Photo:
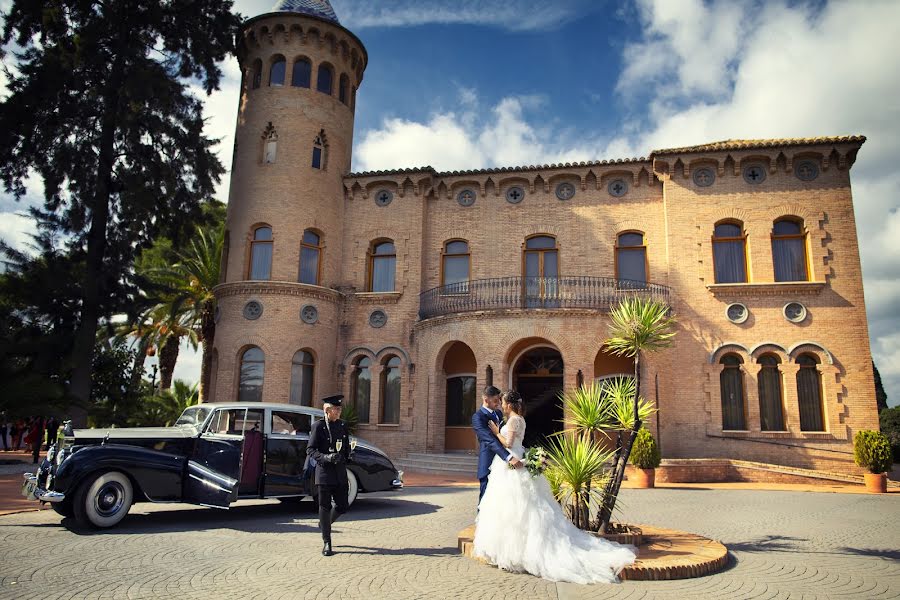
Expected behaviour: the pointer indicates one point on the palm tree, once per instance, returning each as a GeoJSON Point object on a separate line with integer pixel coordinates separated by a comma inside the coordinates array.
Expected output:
{"type": "Point", "coordinates": [190, 299]}
{"type": "Point", "coordinates": [637, 326]}
{"type": "Point", "coordinates": [577, 472]}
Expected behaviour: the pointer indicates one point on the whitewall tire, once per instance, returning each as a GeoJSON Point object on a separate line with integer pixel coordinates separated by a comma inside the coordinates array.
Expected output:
{"type": "Point", "coordinates": [352, 487]}
{"type": "Point", "coordinates": [103, 500]}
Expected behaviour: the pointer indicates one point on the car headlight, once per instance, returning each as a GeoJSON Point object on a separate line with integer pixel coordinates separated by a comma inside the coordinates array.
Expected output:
{"type": "Point", "coordinates": [60, 456]}
{"type": "Point", "coordinates": [51, 453]}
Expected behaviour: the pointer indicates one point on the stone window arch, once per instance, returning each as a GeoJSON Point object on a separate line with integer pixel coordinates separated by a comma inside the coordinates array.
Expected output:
{"type": "Point", "coordinates": [277, 71]}
{"type": "Point", "coordinates": [256, 74]}
{"type": "Point", "coordinates": [301, 72]}
{"type": "Point", "coordinates": [311, 247]}
{"type": "Point", "coordinates": [270, 144]}
{"type": "Point", "coordinates": [303, 370]}
{"type": "Point", "coordinates": [809, 393]}
{"type": "Point", "coordinates": [789, 249]}
{"type": "Point", "coordinates": [320, 151]}
{"type": "Point", "coordinates": [261, 247]}
{"type": "Point", "coordinates": [344, 89]}
{"type": "Point", "coordinates": [771, 395]}
{"type": "Point", "coordinates": [631, 259]}
{"type": "Point", "coordinates": [456, 263]}
{"type": "Point", "coordinates": [251, 375]}
{"type": "Point", "coordinates": [731, 386]}
{"type": "Point", "coordinates": [325, 79]}
{"type": "Point", "coordinates": [361, 387]}
{"type": "Point", "coordinates": [391, 384]}
{"type": "Point", "coordinates": [729, 243]}
{"type": "Point", "coordinates": [382, 266]}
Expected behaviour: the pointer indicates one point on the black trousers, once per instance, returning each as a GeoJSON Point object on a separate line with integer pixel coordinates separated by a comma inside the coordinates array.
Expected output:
{"type": "Point", "coordinates": [327, 514]}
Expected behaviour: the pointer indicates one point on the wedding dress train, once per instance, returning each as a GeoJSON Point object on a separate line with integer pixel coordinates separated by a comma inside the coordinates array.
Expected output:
{"type": "Point", "coordinates": [521, 528]}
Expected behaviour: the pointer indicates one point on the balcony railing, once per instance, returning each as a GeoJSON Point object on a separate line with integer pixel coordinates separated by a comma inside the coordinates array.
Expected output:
{"type": "Point", "coordinates": [599, 293]}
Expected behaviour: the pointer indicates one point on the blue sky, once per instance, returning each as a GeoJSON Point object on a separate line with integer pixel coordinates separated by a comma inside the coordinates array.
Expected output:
{"type": "Point", "coordinates": [479, 83]}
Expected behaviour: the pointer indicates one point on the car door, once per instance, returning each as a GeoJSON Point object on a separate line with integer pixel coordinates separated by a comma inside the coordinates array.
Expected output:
{"type": "Point", "coordinates": [286, 453]}
{"type": "Point", "coordinates": [214, 469]}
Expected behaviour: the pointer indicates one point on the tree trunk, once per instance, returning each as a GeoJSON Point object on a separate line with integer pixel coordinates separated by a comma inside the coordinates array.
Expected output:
{"type": "Point", "coordinates": [208, 333]}
{"type": "Point", "coordinates": [137, 372]}
{"type": "Point", "coordinates": [622, 462]}
{"type": "Point", "coordinates": [92, 284]}
{"type": "Point", "coordinates": [168, 357]}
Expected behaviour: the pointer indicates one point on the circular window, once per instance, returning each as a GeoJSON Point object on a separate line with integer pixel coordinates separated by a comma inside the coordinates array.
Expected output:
{"type": "Point", "coordinates": [737, 313]}
{"type": "Point", "coordinates": [806, 170]}
{"type": "Point", "coordinates": [565, 191]}
{"type": "Point", "coordinates": [466, 197]}
{"type": "Point", "coordinates": [794, 312]}
{"type": "Point", "coordinates": [515, 194]}
{"type": "Point", "coordinates": [253, 310]}
{"type": "Point", "coordinates": [617, 188]}
{"type": "Point", "coordinates": [217, 314]}
{"type": "Point", "coordinates": [309, 314]}
{"type": "Point", "coordinates": [704, 177]}
{"type": "Point", "coordinates": [754, 174]}
{"type": "Point", "coordinates": [383, 197]}
{"type": "Point", "coordinates": [378, 319]}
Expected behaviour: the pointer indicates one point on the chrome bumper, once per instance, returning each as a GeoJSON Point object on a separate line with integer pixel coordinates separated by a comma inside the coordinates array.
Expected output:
{"type": "Point", "coordinates": [32, 491]}
{"type": "Point", "coordinates": [397, 484]}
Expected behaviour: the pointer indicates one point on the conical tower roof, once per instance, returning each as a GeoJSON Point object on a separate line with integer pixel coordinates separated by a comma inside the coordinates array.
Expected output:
{"type": "Point", "coordinates": [316, 8]}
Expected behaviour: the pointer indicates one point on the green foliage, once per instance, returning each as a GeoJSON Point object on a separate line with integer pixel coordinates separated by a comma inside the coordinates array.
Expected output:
{"type": "Point", "coordinates": [115, 394]}
{"type": "Point", "coordinates": [586, 409]}
{"type": "Point", "coordinates": [872, 451]}
{"type": "Point", "coordinates": [645, 452]}
{"type": "Point", "coordinates": [163, 409]}
{"type": "Point", "coordinates": [880, 395]}
{"type": "Point", "coordinates": [618, 393]}
{"type": "Point", "coordinates": [639, 325]}
{"type": "Point", "coordinates": [350, 417]}
{"type": "Point", "coordinates": [577, 468]}
{"type": "Point", "coordinates": [889, 419]}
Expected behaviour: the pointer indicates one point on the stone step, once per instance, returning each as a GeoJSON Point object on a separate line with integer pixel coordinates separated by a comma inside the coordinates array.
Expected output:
{"type": "Point", "coordinates": [450, 459]}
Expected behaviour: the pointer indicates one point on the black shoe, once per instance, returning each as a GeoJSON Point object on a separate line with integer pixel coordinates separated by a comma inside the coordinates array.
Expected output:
{"type": "Point", "coordinates": [326, 550]}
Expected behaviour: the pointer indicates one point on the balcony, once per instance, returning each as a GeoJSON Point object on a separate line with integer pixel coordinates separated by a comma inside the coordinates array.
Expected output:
{"type": "Point", "coordinates": [499, 293]}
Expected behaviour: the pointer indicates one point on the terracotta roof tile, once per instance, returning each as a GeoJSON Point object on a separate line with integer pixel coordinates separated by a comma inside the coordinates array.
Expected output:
{"type": "Point", "coordinates": [751, 144]}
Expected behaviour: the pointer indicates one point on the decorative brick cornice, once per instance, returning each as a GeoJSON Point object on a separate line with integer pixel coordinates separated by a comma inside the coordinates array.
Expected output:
{"type": "Point", "coordinates": [511, 313]}
{"type": "Point", "coordinates": [781, 288]}
{"type": "Point", "coordinates": [276, 288]}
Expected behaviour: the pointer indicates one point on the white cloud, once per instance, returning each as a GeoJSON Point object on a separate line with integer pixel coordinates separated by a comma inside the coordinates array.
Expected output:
{"type": "Point", "coordinates": [220, 111]}
{"type": "Point", "coordinates": [15, 229]}
{"type": "Point", "coordinates": [187, 367]}
{"type": "Point", "coordinates": [514, 15]}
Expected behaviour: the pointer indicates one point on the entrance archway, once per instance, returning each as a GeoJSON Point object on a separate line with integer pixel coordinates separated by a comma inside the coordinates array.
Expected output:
{"type": "Point", "coordinates": [537, 375]}
{"type": "Point", "coordinates": [461, 397]}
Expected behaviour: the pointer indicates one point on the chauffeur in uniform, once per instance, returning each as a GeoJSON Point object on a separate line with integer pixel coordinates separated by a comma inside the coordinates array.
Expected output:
{"type": "Point", "coordinates": [329, 445]}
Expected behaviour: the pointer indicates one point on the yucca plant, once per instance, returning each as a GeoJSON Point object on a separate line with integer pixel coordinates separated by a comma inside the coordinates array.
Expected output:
{"type": "Point", "coordinates": [588, 410]}
{"type": "Point", "coordinates": [618, 394]}
{"type": "Point", "coordinates": [638, 325]}
{"type": "Point", "coordinates": [577, 469]}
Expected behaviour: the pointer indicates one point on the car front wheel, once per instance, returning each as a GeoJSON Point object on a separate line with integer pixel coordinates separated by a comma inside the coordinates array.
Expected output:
{"type": "Point", "coordinates": [103, 500]}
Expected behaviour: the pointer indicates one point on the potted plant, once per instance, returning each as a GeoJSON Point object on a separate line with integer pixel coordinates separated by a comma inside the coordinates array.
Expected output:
{"type": "Point", "coordinates": [872, 451]}
{"type": "Point", "coordinates": [645, 457]}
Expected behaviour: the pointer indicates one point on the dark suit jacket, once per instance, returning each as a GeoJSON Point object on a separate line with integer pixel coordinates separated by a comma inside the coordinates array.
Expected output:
{"type": "Point", "coordinates": [488, 444]}
{"type": "Point", "coordinates": [321, 443]}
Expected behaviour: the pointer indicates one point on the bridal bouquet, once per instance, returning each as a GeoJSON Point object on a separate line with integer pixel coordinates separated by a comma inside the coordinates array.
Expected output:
{"type": "Point", "coordinates": [535, 460]}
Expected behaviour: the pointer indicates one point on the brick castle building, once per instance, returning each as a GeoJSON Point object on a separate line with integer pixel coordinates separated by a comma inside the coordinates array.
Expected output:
{"type": "Point", "coordinates": [409, 290]}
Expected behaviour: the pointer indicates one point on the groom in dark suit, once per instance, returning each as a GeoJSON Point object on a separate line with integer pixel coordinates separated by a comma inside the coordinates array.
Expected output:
{"type": "Point", "coordinates": [488, 444]}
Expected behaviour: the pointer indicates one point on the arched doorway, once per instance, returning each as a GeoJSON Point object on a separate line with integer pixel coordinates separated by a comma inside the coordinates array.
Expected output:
{"type": "Point", "coordinates": [461, 397]}
{"type": "Point", "coordinates": [537, 375]}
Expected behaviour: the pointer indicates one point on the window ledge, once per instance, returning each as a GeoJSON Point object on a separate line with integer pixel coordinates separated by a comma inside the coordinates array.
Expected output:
{"type": "Point", "coordinates": [378, 297]}
{"type": "Point", "coordinates": [779, 288]}
{"type": "Point", "coordinates": [388, 425]}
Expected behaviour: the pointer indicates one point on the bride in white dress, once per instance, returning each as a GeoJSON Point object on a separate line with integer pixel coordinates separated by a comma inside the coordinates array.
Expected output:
{"type": "Point", "coordinates": [521, 527]}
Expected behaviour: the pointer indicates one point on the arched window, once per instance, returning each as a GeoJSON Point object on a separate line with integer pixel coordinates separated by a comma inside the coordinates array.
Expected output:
{"type": "Point", "coordinates": [789, 250]}
{"type": "Point", "coordinates": [270, 144]}
{"type": "Point", "coordinates": [730, 253]}
{"type": "Point", "coordinates": [261, 254]}
{"type": "Point", "coordinates": [353, 97]}
{"type": "Point", "coordinates": [809, 394]}
{"type": "Point", "coordinates": [256, 74]}
{"type": "Point", "coordinates": [771, 407]}
{"type": "Point", "coordinates": [541, 271]}
{"type": "Point", "coordinates": [303, 368]}
{"type": "Point", "coordinates": [310, 257]}
{"type": "Point", "coordinates": [631, 259]}
{"type": "Point", "coordinates": [455, 260]}
{"type": "Point", "coordinates": [277, 70]}
{"type": "Point", "coordinates": [731, 385]}
{"type": "Point", "coordinates": [253, 370]}
{"type": "Point", "coordinates": [390, 391]}
{"type": "Point", "coordinates": [382, 266]}
{"type": "Point", "coordinates": [325, 79]}
{"type": "Point", "coordinates": [460, 400]}
{"type": "Point", "coordinates": [319, 155]}
{"type": "Point", "coordinates": [344, 89]}
{"type": "Point", "coordinates": [361, 388]}
{"type": "Point", "coordinates": [302, 73]}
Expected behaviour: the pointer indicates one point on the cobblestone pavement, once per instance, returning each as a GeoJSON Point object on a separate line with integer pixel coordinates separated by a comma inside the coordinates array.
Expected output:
{"type": "Point", "coordinates": [784, 545]}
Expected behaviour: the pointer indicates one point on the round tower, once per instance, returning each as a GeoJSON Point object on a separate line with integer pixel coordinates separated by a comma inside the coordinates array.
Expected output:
{"type": "Point", "coordinates": [293, 141]}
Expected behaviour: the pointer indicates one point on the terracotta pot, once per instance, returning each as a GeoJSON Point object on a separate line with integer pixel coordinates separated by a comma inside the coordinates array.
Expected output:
{"type": "Point", "coordinates": [644, 478]}
{"type": "Point", "coordinates": [876, 483]}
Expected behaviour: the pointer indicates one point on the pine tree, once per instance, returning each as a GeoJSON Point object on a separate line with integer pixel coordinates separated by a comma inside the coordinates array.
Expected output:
{"type": "Point", "coordinates": [100, 108]}
{"type": "Point", "coordinates": [880, 394]}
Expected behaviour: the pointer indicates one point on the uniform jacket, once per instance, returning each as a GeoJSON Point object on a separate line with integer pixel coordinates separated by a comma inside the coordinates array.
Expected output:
{"type": "Point", "coordinates": [488, 444]}
{"type": "Point", "coordinates": [322, 440]}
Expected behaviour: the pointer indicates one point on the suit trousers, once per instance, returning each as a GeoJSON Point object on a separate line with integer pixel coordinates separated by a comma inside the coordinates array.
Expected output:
{"type": "Point", "coordinates": [327, 514]}
{"type": "Point", "coordinates": [483, 481]}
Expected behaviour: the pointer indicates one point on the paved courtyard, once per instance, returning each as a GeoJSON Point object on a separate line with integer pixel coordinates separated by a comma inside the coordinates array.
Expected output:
{"type": "Point", "coordinates": [784, 545]}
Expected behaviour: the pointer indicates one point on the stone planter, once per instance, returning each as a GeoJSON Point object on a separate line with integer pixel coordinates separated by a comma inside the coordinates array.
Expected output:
{"type": "Point", "coordinates": [644, 478]}
{"type": "Point", "coordinates": [876, 483]}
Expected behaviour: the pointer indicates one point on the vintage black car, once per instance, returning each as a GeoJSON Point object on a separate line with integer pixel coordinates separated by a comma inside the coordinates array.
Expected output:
{"type": "Point", "coordinates": [214, 455]}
